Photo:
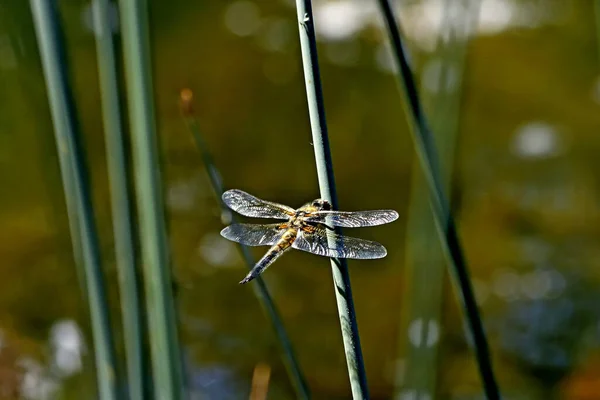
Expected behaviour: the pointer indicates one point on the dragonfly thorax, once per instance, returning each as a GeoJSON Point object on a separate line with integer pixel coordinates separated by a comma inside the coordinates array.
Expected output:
{"type": "Point", "coordinates": [297, 221]}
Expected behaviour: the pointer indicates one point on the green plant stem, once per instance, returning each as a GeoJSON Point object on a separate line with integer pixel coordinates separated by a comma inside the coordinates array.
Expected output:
{"type": "Point", "coordinates": [424, 261]}
{"type": "Point", "coordinates": [260, 288]}
{"type": "Point", "coordinates": [121, 213]}
{"type": "Point", "coordinates": [341, 276]}
{"type": "Point", "coordinates": [426, 152]}
{"type": "Point", "coordinates": [76, 188]}
{"type": "Point", "coordinates": [164, 342]}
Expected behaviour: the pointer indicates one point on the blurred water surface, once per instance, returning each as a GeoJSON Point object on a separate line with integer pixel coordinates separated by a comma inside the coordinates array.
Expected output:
{"type": "Point", "coordinates": [525, 193]}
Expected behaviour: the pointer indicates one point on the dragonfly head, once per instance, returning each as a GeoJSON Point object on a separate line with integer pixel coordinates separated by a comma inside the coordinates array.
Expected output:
{"type": "Point", "coordinates": [321, 205]}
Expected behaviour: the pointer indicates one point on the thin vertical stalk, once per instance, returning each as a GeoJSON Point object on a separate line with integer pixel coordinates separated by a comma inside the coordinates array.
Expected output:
{"type": "Point", "coordinates": [77, 189]}
{"type": "Point", "coordinates": [339, 267]}
{"type": "Point", "coordinates": [164, 342]}
{"type": "Point", "coordinates": [121, 212]}
{"type": "Point", "coordinates": [260, 288]}
{"type": "Point", "coordinates": [424, 262]}
{"type": "Point", "coordinates": [427, 155]}
{"type": "Point", "coordinates": [67, 179]}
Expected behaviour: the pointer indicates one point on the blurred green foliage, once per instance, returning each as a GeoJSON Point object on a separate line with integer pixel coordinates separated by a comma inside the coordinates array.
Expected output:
{"type": "Point", "coordinates": [250, 102]}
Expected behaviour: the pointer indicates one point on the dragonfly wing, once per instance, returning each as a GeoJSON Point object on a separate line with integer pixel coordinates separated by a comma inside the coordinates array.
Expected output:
{"type": "Point", "coordinates": [251, 206]}
{"type": "Point", "coordinates": [327, 243]}
{"type": "Point", "coordinates": [354, 219]}
{"type": "Point", "coordinates": [254, 234]}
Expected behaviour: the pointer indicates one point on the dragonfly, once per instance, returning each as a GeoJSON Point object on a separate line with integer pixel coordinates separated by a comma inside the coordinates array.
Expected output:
{"type": "Point", "coordinates": [309, 228]}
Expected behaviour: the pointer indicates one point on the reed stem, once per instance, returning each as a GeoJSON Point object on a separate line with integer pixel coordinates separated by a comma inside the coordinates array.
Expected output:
{"type": "Point", "coordinates": [324, 164]}
{"type": "Point", "coordinates": [121, 212]}
{"type": "Point", "coordinates": [427, 155]}
{"type": "Point", "coordinates": [424, 262]}
{"type": "Point", "coordinates": [260, 288]}
{"type": "Point", "coordinates": [77, 191]}
{"type": "Point", "coordinates": [164, 341]}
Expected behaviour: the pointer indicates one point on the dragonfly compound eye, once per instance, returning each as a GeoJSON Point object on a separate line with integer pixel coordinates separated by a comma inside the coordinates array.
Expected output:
{"type": "Point", "coordinates": [322, 204]}
{"type": "Point", "coordinates": [326, 205]}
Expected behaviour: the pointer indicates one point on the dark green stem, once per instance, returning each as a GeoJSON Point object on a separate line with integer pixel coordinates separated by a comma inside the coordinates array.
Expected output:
{"type": "Point", "coordinates": [162, 324]}
{"type": "Point", "coordinates": [424, 262]}
{"type": "Point", "coordinates": [341, 276]}
{"type": "Point", "coordinates": [260, 288]}
{"type": "Point", "coordinates": [426, 152]}
{"type": "Point", "coordinates": [76, 188]}
{"type": "Point", "coordinates": [121, 213]}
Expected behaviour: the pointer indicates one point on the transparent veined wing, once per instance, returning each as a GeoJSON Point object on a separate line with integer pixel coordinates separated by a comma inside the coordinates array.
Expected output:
{"type": "Point", "coordinates": [324, 242]}
{"type": "Point", "coordinates": [354, 219]}
{"type": "Point", "coordinates": [251, 206]}
{"type": "Point", "coordinates": [254, 234]}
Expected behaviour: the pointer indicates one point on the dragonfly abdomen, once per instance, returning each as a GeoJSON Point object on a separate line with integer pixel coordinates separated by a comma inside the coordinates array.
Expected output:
{"type": "Point", "coordinates": [276, 251]}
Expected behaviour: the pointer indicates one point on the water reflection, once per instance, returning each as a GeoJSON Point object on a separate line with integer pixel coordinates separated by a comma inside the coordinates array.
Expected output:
{"type": "Point", "coordinates": [217, 251]}
{"type": "Point", "coordinates": [183, 196]}
{"type": "Point", "coordinates": [536, 140]}
{"type": "Point", "coordinates": [242, 17]}
{"type": "Point", "coordinates": [525, 177]}
{"type": "Point", "coordinates": [215, 382]}
{"type": "Point", "coordinates": [542, 283]}
{"type": "Point", "coordinates": [68, 348]}
{"type": "Point", "coordinates": [276, 34]}
{"type": "Point", "coordinates": [506, 285]}
{"type": "Point", "coordinates": [40, 381]}
{"type": "Point", "coordinates": [542, 336]}
{"type": "Point", "coordinates": [37, 383]}
{"type": "Point", "coordinates": [342, 20]}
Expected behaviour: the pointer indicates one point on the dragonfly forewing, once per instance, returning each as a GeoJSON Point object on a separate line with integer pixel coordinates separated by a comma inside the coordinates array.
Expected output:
{"type": "Point", "coordinates": [250, 206]}
{"type": "Point", "coordinates": [353, 219]}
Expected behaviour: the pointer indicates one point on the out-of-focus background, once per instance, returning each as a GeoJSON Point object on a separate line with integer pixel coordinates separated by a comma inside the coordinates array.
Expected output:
{"type": "Point", "coordinates": [523, 90]}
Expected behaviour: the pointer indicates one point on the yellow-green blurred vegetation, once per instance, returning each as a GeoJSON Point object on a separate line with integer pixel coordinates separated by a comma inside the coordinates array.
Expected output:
{"type": "Point", "coordinates": [525, 194]}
